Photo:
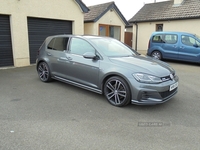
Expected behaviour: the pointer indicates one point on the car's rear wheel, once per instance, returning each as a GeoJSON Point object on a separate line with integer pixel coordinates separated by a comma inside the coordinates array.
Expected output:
{"type": "Point", "coordinates": [117, 91]}
{"type": "Point", "coordinates": [44, 72]}
{"type": "Point", "coordinates": [157, 55]}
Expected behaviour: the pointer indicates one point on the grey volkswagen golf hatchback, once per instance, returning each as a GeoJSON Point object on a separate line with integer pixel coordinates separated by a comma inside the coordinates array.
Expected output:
{"type": "Point", "coordinates": [106, 66]}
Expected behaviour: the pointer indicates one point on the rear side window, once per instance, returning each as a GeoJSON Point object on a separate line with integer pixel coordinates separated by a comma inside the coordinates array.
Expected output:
{"type": "Point", "coordinates": [58, 43]}
{"type": "Point", "coordinates": [165, 38]}
{"type": "Point", "coordinates": [157, 39]}
{"type": "Point", "coordinates": [170, 38]}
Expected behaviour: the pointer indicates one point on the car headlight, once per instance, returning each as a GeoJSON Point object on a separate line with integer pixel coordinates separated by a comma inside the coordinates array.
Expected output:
{"type": "Point", "coordinates": [146, 78]}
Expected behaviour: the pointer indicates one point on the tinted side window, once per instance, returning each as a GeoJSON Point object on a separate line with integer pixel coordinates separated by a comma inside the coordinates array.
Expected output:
{"type": "Point", "coordinates": [50, 45]}
{"type": "Point", "coordinates": [80, 46]}
{"type": "Point", "coordinates": [58, 43]}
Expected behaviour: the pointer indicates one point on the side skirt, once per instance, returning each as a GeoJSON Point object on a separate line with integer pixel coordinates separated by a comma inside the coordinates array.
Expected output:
{"type": "Point", "coordinates": [77, 84]}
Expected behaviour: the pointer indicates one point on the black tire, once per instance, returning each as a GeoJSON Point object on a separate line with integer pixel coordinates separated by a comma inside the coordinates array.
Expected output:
{"type": "Point", "coordinates": [156, 55]}
{"type": "Point", "coordinates": [44, 72]}
{"type": "Point", "coordinates": [117, 91]}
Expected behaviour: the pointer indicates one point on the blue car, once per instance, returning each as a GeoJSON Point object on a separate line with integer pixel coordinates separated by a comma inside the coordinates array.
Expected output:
{"type": "Point", "coordinates": [174, 45]}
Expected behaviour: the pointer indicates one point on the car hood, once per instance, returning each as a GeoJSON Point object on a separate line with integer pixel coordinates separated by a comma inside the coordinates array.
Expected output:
{"type": "Point", "coordinates": [143, 64]}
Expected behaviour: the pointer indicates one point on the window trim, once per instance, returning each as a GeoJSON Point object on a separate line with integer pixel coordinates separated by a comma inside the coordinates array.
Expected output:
{"type": "Point", "coordinates": [157, 27]}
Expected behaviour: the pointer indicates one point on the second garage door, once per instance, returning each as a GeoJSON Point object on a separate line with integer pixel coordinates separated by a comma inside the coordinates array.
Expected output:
{"type": "Point", "coordinates": [39, 29]}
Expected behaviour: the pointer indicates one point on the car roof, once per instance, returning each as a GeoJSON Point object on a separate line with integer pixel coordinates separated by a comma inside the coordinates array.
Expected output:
{"type": "Point", "coordinates": [171, 32]}
{"type": "Point", "coordinates": [80, 36]}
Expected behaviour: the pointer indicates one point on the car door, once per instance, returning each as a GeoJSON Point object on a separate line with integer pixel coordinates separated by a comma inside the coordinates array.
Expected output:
{"type": "Point", "coordinates": [170, 46]}
{"type": "Point", "coordinates": [189, 49]}
{"type": "Point", "coordinates": [81, 70]}
{"type": "Point", "coordinates": [56, 51]}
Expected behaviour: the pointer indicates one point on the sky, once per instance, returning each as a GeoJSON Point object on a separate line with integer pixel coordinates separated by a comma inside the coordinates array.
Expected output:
{"type": "Point", "coordinates": [127, 7]}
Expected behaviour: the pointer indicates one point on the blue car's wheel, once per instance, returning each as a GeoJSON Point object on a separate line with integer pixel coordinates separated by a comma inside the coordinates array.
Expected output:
{"type": "Point", "coordinates": [157, 55]}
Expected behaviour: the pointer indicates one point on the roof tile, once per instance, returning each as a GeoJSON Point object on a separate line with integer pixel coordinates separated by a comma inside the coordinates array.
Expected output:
{"type": "Point", "coordinates": [167, 11]}
{"type": "Point", "coordinates": [97, 11]}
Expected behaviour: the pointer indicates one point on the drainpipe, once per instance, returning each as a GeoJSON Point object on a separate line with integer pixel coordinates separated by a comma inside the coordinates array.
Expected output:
{"type": "Point", "coordinates": [136, 38]}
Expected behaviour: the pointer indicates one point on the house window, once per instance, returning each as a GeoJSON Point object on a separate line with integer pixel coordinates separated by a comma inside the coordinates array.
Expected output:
{"type": "Point", "coordinates": [159, 27]}
{"type": "Point", "coordinates": [111, 31]}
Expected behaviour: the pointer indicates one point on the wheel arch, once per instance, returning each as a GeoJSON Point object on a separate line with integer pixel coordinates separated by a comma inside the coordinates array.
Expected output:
{"type": "Point", "coordinates": [39, 61]}
{"type": "Point", "coordinates": [124, 83]}
{"type": "Point", "coordinates": [106, 77]}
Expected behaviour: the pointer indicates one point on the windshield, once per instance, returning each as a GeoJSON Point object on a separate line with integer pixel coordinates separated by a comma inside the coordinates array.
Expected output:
{"type": "Point", "coordinates": [197, 36]}
{"type": "Point", "coordinates": [112, 48]}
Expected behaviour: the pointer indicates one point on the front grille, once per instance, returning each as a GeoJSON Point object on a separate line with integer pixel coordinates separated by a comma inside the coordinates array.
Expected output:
{"type": "Point", "coordinates": [167, 78]}
{"type": "Point", "coordinates": [167, 93]}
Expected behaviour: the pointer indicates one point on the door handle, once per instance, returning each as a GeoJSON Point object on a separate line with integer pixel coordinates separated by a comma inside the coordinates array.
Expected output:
{"type": "Point", "coordinates": [63, 58]}
{"type": "Point", "coordinates": [49, 54]}
{"type": "Point", "coordinates": [69, 58]}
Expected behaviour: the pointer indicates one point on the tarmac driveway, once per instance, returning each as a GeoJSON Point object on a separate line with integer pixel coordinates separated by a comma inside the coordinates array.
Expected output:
{"type": "Point", "coordinates": [57, 116]}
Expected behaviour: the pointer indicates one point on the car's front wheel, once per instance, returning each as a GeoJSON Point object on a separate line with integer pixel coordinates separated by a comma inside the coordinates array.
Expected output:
{"type": "Point", "coordinates": [44, 72]}
{"type": "Point", "coordinates": [157, 55]}
{"type": "Point", "coordinates": [117, 91]}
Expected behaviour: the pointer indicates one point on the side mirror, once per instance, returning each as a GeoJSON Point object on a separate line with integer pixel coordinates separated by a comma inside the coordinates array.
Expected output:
{"type": "Point", "coordinates": [195, 45]}
{"type": "Point", "coordinates": [89, 55]}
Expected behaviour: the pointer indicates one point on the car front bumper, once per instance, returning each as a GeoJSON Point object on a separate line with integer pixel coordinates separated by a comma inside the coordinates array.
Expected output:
{"type": "Point", "coordinates": [152, 98]}
{"type": "Point", "coordinates": [151, 94]}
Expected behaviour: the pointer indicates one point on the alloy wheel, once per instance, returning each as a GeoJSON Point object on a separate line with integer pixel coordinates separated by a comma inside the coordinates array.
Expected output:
{"type": "Point", "coordinates": [157, 55]}
{"type": "Point", "coordinates": [43, 72]}
{"type": "Point", "coordinates": [117, 91]}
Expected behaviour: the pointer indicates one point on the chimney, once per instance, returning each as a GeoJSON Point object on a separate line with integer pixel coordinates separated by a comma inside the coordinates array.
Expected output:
{"type": "Point", "coordinates": [178, 2]}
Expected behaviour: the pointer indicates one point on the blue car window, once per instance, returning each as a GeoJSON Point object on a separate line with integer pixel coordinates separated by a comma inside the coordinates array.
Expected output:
{"type": "Point", "coordinates": [170, 38]}
{"type": "Point", "coordinates": [187, 40]}
{"type": "Point", "coordinates": [198, 43]}
{"type": "Point", "coordinates": [157, 39]}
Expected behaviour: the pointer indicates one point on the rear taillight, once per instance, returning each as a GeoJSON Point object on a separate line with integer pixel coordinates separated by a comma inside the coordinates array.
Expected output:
{"type": "Point", "coordinates": [149, 44]}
